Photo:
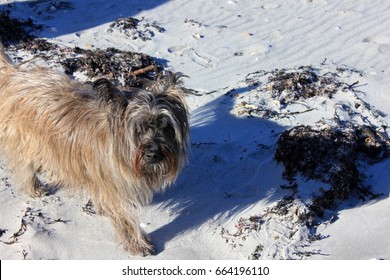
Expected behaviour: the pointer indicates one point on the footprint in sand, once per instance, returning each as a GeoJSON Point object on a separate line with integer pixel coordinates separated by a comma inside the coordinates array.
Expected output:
{"type": "Point", "coordinates": [175, 49]}
{"type": "Point", "coordinates": [256, 49]}
{"type": "Point", "coordinates": [271, 6]}
{"type": "Point", "coordinates": [203, 59]}
{"type": "Point", "coordinates": [275, 36]}
{"type": "Point", "coordinates": [381, 40]}
{"type": "Point", "coordinates": [378, 39]}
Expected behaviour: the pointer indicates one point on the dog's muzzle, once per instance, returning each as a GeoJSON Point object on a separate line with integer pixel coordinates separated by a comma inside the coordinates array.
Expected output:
{"type": "Point", "coordinates": [153, 154]}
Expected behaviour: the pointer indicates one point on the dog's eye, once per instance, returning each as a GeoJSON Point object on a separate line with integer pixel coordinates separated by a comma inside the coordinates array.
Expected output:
{"type": "Point", "coordinates": [169, 131]}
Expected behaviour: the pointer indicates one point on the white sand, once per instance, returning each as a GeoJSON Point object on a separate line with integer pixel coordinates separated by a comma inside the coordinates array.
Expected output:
{"type": "Point", "coordinates": [232, 173]}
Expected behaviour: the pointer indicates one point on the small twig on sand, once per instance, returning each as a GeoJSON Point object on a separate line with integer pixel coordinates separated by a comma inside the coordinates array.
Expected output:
{"type": "Point", "coordinates": [141, 71]}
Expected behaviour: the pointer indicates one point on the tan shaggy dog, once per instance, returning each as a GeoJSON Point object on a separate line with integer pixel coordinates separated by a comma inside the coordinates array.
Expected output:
{"type": "Point", "coordinates": [120, 145]}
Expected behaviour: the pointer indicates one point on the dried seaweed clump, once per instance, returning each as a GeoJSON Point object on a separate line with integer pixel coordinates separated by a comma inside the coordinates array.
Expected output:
{"type": "Point", "coordinates": [268, 94]}
{"type": "Point", "coordinates": [330, 155]}
{"type": "Point", "coordinates": [284, 225]}
{"type": "Point", "coordinates": [302, 83]}
{"type": "Point", "coordinates": [133, 29]}
{"type": "Point", "coordinates": [37, 46]}
{"type": "Point", "coordinates": [112, 63]}
{"type": "Point", "coordinates": [14, 30]}
{"type": "Point", "coordinates": [291, 84]}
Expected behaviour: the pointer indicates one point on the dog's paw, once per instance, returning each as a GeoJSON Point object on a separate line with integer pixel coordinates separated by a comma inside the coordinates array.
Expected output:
{"type": "Point", "coordinates": [148, 251]}
{"type": "Point", "coordinates": [37, 190]}
{"type": "Point", "coordinates": [143, 248]}
{"type": "Point", "coordinates": [139, 250]}
{"type": "Point", "coordinates": [37, 193]}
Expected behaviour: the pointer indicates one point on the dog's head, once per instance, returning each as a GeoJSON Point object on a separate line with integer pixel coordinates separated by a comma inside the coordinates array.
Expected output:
{"type": "Point", "coordinates": [157, 129]}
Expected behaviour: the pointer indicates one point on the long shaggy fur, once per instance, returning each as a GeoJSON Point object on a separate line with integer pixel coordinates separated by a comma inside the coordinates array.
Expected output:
{"type": "Point", "coordinates": [121, 145]}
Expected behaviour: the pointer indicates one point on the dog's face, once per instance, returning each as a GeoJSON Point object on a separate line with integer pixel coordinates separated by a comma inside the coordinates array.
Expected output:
{"type": "Point", "coordinates": [158, 140]}
{"type": "Point", "coordinates": [157, 125]}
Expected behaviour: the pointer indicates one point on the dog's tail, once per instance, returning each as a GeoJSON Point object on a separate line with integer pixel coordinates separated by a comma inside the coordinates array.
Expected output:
{"type": "Point", "coordinates": [5, 60]}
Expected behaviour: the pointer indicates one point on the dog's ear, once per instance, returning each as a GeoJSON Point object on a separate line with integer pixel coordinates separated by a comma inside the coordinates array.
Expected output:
{"type": "Point", "coordinates": [165, 83]}
{"type": "Point", "coordinates": [170, 79]}
{"type": "Point", "coordinates": [107, 91]}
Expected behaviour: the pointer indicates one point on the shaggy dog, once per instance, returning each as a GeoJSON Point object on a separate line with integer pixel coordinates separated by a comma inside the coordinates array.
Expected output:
{"type": "Point", "coordinates": [120, 145]}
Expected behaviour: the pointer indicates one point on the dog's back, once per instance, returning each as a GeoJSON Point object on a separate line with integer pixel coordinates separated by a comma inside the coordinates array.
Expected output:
{"type": "Point", "coordinates": [39, 108]}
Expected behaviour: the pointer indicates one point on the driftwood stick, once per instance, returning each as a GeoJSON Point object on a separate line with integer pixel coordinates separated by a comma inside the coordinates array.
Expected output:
{"type": "Point", "coordinates": [142, 70]}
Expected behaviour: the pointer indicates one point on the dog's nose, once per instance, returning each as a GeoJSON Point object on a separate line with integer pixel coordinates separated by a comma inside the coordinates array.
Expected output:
{"type": "Point", "coordinates": [153, 155]}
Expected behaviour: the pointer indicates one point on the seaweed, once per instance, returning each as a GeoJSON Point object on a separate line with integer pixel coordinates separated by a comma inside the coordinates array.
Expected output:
{"type": "Point", "coordinates": [288, 85]}
{"type": "Point", "coordinates": [330, 155]}
{"type": "Point", "coordinates": [133, 28]}
{"type": "Point", "coordinates": [114, 64]}
{"type": "Point", "coordinates": [121, 67]}
{"type": "Point", "coordinates": [14, 30]}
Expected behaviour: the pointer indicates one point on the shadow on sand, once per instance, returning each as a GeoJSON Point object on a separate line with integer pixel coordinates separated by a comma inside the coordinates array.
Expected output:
{"type": "Point", "coordinates": [66, 17]}
{"type": "Point", "coordinates": [231, 168]}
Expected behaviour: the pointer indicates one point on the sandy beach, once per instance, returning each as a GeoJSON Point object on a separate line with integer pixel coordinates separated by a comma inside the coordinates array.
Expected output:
{"type": "Point", "coordinates": [244, 61]}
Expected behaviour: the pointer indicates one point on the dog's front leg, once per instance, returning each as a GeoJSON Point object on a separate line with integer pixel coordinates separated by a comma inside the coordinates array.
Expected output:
{"type": "Point", "coordinates": [25, 176]}
{"type": "Point", "coordinates": [133, 238]}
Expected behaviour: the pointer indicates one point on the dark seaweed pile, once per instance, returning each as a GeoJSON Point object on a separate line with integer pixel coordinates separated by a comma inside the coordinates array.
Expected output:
{"type": "Point", "coordinates": [291, 84]}
{"type": "Point", "coordinates": [330, 155]}
{"type": "Point", "coordinates": [125, 23]}
{"type": "Point", "coordinates": [302, 83]}
{"type": "Point", "coordinates": [113, 64]}
{"type": "Point", "coordinates": [14, 30]}
{"type": "Point", "coordinates": [133, 28]}
{"type": "Point", "coordinates": [36, 46]}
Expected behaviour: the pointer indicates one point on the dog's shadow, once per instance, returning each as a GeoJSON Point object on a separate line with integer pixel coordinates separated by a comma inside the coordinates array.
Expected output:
{"type": "Point", "coordinates": [231, 168]}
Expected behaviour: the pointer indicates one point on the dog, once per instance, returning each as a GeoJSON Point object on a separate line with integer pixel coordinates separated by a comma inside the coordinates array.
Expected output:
{"type": "Point", "coordinates": [121, 145]}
